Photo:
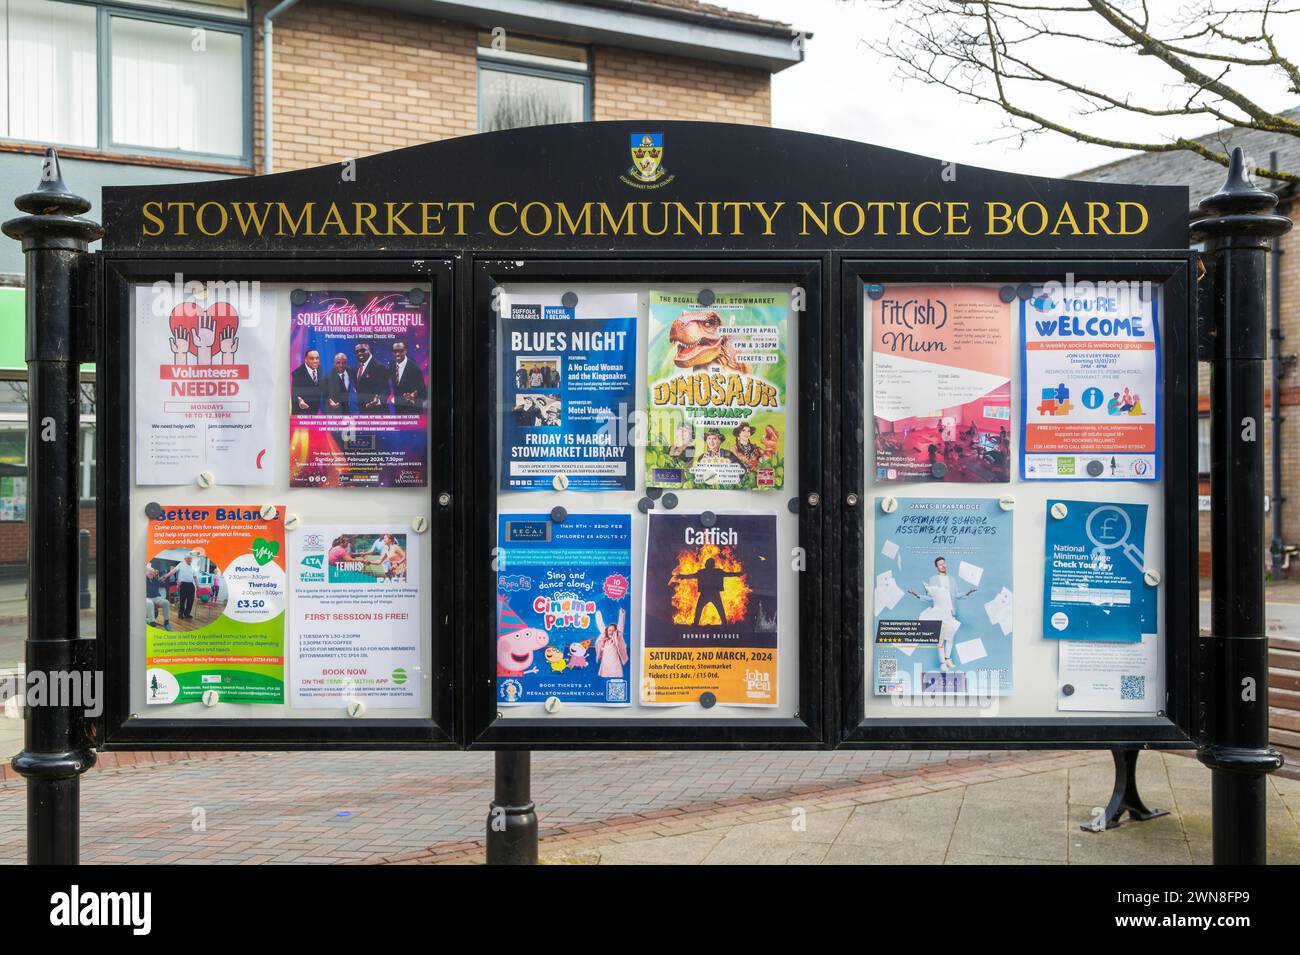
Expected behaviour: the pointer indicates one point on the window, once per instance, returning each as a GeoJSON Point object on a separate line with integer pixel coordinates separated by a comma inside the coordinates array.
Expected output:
{"type": "Point", "coordinates": [528, 82]}
{"type": "Point", "coordinates": [104, 77]}
{"type": "Point", "coordinates": [1203, 444]}
{"type": "Point", "coordinates": [88, 463]}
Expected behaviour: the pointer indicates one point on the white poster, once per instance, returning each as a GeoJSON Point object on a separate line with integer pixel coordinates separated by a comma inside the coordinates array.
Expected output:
{"type": "Point", "coordinates": [355, 613]}
{"type": "Point", "coordinates": [1109, 677]}
{"type": "Point", "coordinates": [204, 368]}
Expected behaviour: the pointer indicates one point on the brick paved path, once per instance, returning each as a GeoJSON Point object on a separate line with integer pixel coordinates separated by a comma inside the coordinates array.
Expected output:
{"type": "Point", "coordinates": [352, 807]}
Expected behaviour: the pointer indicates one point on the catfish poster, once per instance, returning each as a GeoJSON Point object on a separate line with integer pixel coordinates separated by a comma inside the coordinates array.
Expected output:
{"type": "Point", "coordinates": [941, 382]}
{"type": "Point", "coordinates": [717, 396]}
{"type": "Point", "coordinates": [710, 610]}
{"type": "Point", "coordinates": [359, 389]}
{"type": "Point", "coordinates": [203, 380]}
{"type": "Point", "coordinates": [563, 596]}
{"type": "Point", "coordinates": [214, 589]}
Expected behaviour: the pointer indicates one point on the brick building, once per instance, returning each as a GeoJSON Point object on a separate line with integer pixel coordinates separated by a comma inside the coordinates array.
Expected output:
{"type": "Point", "coordinates": [135, 92]}
{"type": "Point", "coordinates": [1203, 178]}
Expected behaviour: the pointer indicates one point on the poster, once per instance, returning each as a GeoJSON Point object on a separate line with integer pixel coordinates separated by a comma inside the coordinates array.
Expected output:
{"type": "Point", "coordinates": [204, 374]}
{"type": "Point", "coordinates": [1093, 586]}
{"type": "Point", "coordinates": [943, 599]}
{"type": "Point", "coordinates": [214, 600]}
{"type": "Point", "coordinates": [563, 599]}
{"type": "Point", "coordinates": [710, 607]}
{"type": "Point", "coordinates": [356, 628]}
{"type": "Point", "coordinates": [717, 391]}
{"type": "Point", "coordinates": [1091, 402]}
{"type": "Point", "coordinates": [567, 394]}
{"type": "Point", "coordinates": [359, 389]}
{"type": "Point", "coordinates": [941, 382]}
{"type": "Point", "coordinates": [1109, 677]}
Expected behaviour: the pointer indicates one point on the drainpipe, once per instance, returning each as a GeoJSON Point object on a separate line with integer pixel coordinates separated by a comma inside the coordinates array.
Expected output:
{"type": "Point", "coordinates": [267, 94]}
{"type": "Point", "coordinates": [1279, 553]}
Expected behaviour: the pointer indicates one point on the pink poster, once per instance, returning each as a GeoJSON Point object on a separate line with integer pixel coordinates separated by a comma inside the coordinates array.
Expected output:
{"type": "Point", "coordinates": [941, 382]}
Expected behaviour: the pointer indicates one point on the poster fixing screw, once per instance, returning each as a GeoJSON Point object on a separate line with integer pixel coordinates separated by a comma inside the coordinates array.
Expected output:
{"type": "Point", "coordinates": [211, 697]}
{"type": "Point", "coordinates": [268, 512]}
{"type": "Point", "coordinates": [291, 522]}
{"type": "Point", "coordinates": [297, 297]}
{"type": "Point", "coordinates": [792, 505]}
{"type": "Point", "coordinates": [1152, 577]}
{"type": "Point", "coordinates": [670, 500]}
{"type": "Point", "coordinates": [708, 519]}
{"type": "Point", "coordinates": [444, 499]}
{"type": "Point", "coordinates": [645, 505]}
{"type": "Point", "coordinates": [1007, 293]}
{"type": "Point", "coordinates": [653, 493]}
{"type": "Point", "coordinates": [939, 469]}
{"type": "Point", "coordinates": [708, 700]}
{"type": "Point", "coordinates": [559, 482]}
{"type": "Point", "coordinates": [889, 504]}
{"type": "Point", "coordinates": [419, 523]}
{"type": "Point", "coordinates": [1007, 502]}
{"type": "Point", "coordinates": [205, 479]}
{"type": "Point", "coordinates": [416, 297]}
{"type": "Point", "coordinates": [153, 510]}
{"type": "Point", "coordinates": [558, 514]}
{"type": "Point", "coordinates": [705, 297]}
{"type": "Point", "coordinates": [552, 704]}
{"type": "Point", "coordinates": [875, 291]}
{"type": "Point", "coordinates": [1059, 510]}
{"type": "Point", "coordinates": [1024, 291]}
{"type": "Point", "coordinates": [356, 709]}
{"type": "Point", "coordinates": [569, 299]}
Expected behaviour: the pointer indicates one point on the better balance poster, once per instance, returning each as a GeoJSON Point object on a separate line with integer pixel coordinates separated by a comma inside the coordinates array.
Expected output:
{"type": "Point", "coordinates": [356, 616]}
{"type": "Point", "coordinates": [1091, 405]}
{"type": "Point", "coordinates": [717, 391]}
{"type": "Point", "coordinates": [215, 605]}
{"type": "Point", "coordinates": [943, 598]}
{"type": "Point", "coordinates": [941, 382]}
{"type": "Point", "coordinates": [710, 609]}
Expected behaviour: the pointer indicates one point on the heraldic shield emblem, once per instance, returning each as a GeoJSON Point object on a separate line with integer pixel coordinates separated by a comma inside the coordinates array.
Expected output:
{"type": "Point", "coordinates": [647, 159]}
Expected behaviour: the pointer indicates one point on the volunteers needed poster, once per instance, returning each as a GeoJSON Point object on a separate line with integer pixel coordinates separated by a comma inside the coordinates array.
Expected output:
{"type": "Point", "coordinates": [943, 599]}
{"type": "Point", "coordinates": [710, 609]}
{"type": "Point", "coordinates": [356, 616]}
{"type": "Point", "coordinates": [567, 392]}
{"type": "Point", "coordinates": [1091, 401]}
{"type": "Point", "coordinates": [941, 382]}
{"type": "Point", "coordinates": [203, 380]}
{"type": "Point", "coordinates": [359, 389]}
{"type": "Point", "coordinates": [563, 599]}
{"type": "Point", "coordinates": [214, 605]}
{"type": "Point", "coordinates": [717, 391]}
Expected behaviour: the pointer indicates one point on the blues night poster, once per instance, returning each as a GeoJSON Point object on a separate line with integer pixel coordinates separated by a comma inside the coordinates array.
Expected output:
{"type": "Point", "coordinates": [359, 389]}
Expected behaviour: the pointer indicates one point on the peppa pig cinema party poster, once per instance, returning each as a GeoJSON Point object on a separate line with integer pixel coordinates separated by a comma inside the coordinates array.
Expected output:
{"type": "Point", "coordinates": [563, 600]}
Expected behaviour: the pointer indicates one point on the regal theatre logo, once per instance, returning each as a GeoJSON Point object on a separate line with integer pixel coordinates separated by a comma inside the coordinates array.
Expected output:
{"type": "Point", "coordinates": [647, 170]}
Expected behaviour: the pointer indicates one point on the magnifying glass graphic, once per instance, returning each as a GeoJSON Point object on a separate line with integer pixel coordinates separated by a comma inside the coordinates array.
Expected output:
{"type": "Point", "coordinates": [1108, 527]}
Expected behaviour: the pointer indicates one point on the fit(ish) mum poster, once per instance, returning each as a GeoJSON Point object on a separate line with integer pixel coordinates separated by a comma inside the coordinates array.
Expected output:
{"type": "Point", "coordinates": [941, 382]}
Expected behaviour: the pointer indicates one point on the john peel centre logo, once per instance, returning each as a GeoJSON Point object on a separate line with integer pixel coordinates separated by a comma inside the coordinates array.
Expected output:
{"type": "Point", "coordinates": [647, 170]}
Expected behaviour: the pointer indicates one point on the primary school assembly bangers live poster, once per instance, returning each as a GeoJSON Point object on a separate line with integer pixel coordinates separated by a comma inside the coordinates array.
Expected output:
{"type": "Point", "coordinates": [359, 389]}
{"type": "Point", "coordinates": [716, 378]}
{"type": "Point", "coordinates": [710, 610]}
{"type": "Point", "coordinates": [941, 382]}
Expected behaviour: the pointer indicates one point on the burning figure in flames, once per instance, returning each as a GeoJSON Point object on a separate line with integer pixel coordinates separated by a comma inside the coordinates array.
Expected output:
{"type": "Point", "coordinates": [710, 586]}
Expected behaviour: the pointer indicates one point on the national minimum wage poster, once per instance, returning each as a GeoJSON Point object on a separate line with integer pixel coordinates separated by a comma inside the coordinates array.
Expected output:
{"type": "Point", "coordinates": [563, 597]}
{"type": "Point", "coordinates": [215, 604]}
{"type": "Point", "coordinates": [1091, 405]}
{"type": "Point", "coordinates": [359, 398]}
{"type": "Point", "coordinates": [717, 391]}
{"type": "Point", "coordinates": [710, 610]}
{"type": "Point", "coordinates": [941, 382]}
{"type": "Point", "coordinates": [356, 616]}
{"type": "Point", "coordinates": [943, 599]}
{"type": "Point", "coordinates": [567, 394]}
{"type": "Point", "coordinates": [203, 381]}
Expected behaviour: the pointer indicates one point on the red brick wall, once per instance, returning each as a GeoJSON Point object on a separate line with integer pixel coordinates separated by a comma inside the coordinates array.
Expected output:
{"type": "Point", "coordinates": [13, 537]}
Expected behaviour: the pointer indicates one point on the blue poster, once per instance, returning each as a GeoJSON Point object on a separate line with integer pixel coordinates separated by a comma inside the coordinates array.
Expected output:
{"type": "Point", "coordinates": [567, 392]}
{"type": "Point", "coordinates": [1094, 587]}
{"type": "Point", "coordinates": [943, 599]}
{"type": "Point", "coordinates": [563, 595]}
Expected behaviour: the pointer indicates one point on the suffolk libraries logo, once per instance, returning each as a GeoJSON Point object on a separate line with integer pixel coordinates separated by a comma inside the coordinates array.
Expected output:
{"type": "Point", "coordinates": [647, 170]}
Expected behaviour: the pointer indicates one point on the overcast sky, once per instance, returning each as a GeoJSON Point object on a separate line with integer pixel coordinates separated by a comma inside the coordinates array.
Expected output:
{"type": "Point", "coordinates": [844, 89]}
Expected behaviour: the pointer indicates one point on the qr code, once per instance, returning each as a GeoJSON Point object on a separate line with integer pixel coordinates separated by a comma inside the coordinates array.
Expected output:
{"type": "Point", "coordinates": [886, 669]}
{"type": "Point", "coordinates": [1133, 688]}
{"type": "Point", "coordinates": [616, 691]}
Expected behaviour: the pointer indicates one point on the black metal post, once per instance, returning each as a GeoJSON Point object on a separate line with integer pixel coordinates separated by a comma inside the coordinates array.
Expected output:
{"type": "Point", "coordinates": [1234, 657]}
{"type": "Point", "coordinates": [512, 821]}
{"type": "Point", "coordinates": [56, 750]}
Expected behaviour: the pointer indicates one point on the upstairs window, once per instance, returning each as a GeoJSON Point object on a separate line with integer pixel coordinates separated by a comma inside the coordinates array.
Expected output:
{"type": "Point", "coordinates": [529, 82]}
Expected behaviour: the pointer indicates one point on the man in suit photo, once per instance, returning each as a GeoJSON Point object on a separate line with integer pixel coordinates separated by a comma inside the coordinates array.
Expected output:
{"type": "Point", "coordinates": [373, 382]}
{"type": "Point", "coordinates": [340, 387]}
{"type": "Point", "coordinates": [308, 385]}
{"type": "Point", "coordinates": [409, 390]}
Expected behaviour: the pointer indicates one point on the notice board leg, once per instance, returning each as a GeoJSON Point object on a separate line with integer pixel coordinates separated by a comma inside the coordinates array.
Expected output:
{"type": "Point", "coordinates": [512, 821]}
{"type": "Point", "coordinates": [1124, 797]}
{"type": "Point", "coordinates": [56, 746]}
{"type": "Point", "coordinates": [1234, 657]}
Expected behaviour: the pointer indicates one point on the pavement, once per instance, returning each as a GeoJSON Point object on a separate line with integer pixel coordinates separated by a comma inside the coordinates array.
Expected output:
{"type": "Point", "coordinates": [625, 808]}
